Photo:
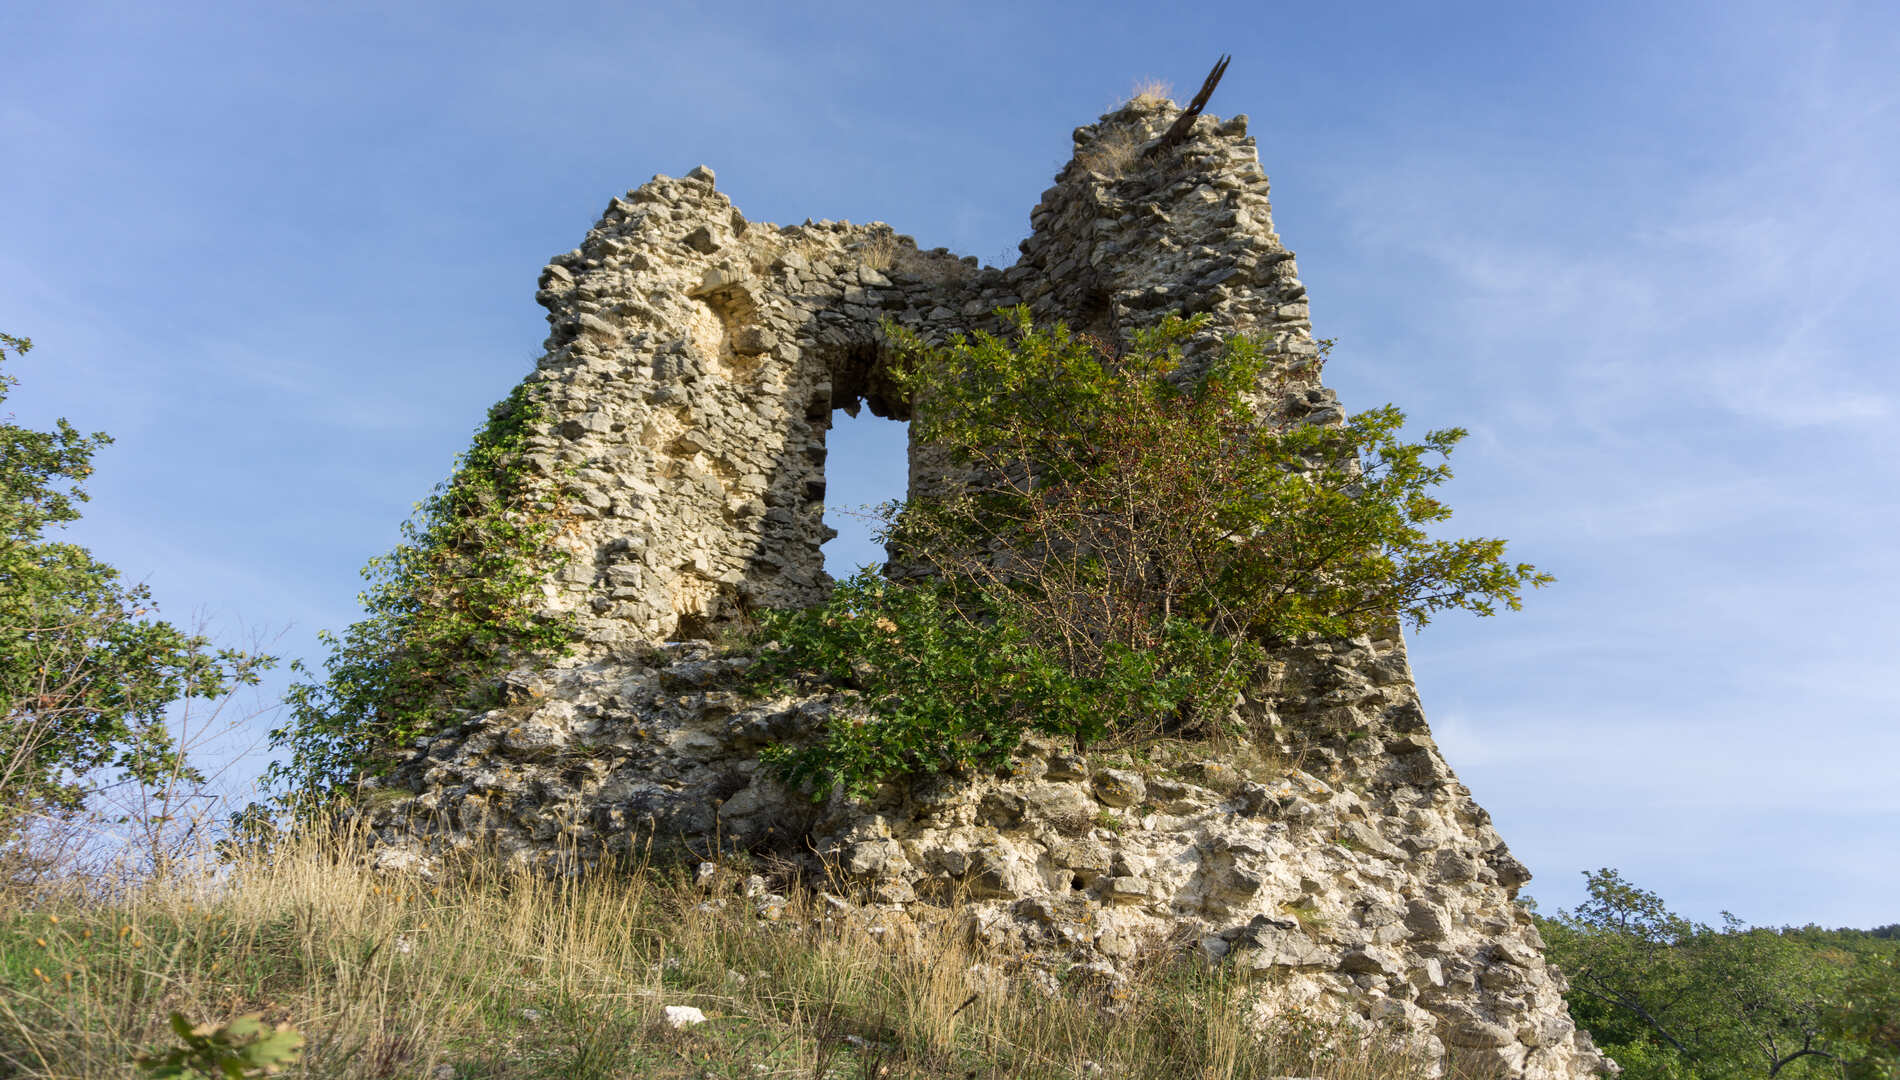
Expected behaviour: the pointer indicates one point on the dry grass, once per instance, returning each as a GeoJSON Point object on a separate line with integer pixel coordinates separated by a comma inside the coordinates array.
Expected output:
{"type": "Point", "coordinates": [879, 252]}
{"type": "Point", "coordinates": [1112, 152]}
{"type": "Point", "coordinates": [1118, 147]}
{"type": "Point", "coordinates": [1151, 91]}
{"type": "Point", "coordinates": [516, 976]}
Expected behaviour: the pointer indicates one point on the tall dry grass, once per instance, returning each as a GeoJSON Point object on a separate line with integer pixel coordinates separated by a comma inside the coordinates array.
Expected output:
{"type": "Point", "coordinates": [487, 974]}
{"type": "Point", "coordinates": [1150, 91]}
{"type": "Point", "coordinates": [1113, 152]}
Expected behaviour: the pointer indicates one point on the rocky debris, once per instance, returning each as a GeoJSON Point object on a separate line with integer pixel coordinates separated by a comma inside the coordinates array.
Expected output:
{"type": "Point", "coordinates": [692, 367]}
{"type": "Point", "coordinates": [682, 1016]}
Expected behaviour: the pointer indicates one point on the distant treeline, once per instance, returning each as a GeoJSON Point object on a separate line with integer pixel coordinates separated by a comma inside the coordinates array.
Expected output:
{"type": "Point", "coordinates": [1672, 999]}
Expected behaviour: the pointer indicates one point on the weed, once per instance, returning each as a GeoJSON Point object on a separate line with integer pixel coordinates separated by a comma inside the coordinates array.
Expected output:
{"type": "Point", "coordinates": [1151, 91]}
{"type": "Point", "coordinates": [880, 251]}
{"type": "Point", "coordinates": [1308, 914]}
{"type": "Point", "coordinates": [236, 1049]}
{"type": "Point", "coordinates": [1115, 149]}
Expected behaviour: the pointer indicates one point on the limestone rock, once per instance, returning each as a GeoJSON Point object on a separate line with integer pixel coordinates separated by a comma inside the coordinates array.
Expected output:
{"type": "Point", "coordinates": [1119, 787]}
{"type": "Point", "coordinates": [680, 1016]}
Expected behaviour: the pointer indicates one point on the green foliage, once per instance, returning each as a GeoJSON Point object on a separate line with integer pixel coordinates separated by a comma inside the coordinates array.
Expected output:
{"type": "Point", "coordinates": [231, 1051]}
{"type": "Point", "coordinates": [939, 686]}
{"type": "Point", "coordinates": [1867, 1013]}
{"type": "Point", "coordinates": [448, 610]}
{"type": "Point", "coordinates": [86, 675]}
{"type": "Point", "coordinates": [1132, 541]}
{"type": "Point", "coordinates": [1671, 999]}
{"type": "Point", "coordinates": [1134, 490]}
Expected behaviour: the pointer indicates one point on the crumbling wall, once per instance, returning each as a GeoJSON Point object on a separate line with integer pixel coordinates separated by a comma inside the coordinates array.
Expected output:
{"type": "Point", "coordinates": [695, 359]}
{"type": "Point", "coordinates": [693, 365]}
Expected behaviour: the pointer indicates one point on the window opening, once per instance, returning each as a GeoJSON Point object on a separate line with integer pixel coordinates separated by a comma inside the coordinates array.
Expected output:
{"type": "Point", "coordinates": [867, 463]}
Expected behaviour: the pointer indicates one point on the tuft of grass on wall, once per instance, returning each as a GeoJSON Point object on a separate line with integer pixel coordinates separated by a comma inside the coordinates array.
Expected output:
{"type": "Point", "coordinates": [1151, 91]}
{"type": "Point", "coordinates": [1113, 152]}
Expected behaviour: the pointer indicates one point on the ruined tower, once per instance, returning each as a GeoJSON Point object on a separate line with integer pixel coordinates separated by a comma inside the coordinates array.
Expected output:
{"type": "Point", "coordinates": [694, 362]}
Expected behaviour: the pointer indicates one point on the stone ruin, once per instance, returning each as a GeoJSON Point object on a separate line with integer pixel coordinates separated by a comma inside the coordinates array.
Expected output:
{"type": "Point", "coordinates": [694, 363]}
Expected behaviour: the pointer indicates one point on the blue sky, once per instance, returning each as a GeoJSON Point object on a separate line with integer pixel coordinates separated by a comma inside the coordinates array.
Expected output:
{"type": "Point", "coordinates": [1646, 253]}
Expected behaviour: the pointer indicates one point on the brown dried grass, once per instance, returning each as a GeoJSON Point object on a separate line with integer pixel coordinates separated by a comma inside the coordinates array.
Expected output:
{"type": "Point", "coordinates": [502, 974]}
{"type": "Point", "coordinates": [1112, 152]}
{"type": "Point", "coordinates": [1151, 91]}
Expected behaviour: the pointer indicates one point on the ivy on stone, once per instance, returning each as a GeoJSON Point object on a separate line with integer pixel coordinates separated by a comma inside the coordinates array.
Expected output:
{"type": "Point", "coordinates": [448, 610]}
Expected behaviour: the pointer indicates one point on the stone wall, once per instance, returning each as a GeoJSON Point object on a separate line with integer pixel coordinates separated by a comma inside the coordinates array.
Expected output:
{"type": "Point", "coordinates": [693, 365]}
{"type": "Point", "coordinates": [1341, 863]}
{"type": "Point", "coordinates": [695, 359]}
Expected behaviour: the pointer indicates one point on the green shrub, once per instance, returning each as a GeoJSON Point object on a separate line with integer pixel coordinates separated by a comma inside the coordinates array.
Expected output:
{"type": "Point", "coordinates": [1128, 490]}
{"type": "Point", "coordinates": [1132, 540]}
{"type": "Point", "coordinates": [940, 685]}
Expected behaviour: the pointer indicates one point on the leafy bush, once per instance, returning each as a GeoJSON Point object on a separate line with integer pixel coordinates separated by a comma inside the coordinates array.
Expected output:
{"type": "Point", "coordinates": [1127, 490]}
{"type": "Point", "coordinates": [452, 606]}
{"type": "Point", "coordinates": [230, 1051]}
{"type": "Point", "coordinates": [85, 675]}
{"type": "Point", "coordinates": [941, 686]}
{"type": "Point", "coordinates": [1128, 540]}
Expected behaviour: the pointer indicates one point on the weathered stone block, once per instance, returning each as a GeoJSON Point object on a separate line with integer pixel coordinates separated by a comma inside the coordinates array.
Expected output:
{"type": "Point", "coordinates": [1118, 787]}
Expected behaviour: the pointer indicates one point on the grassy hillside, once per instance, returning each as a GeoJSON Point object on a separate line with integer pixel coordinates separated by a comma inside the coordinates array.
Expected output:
{"type": "Point", "coordinates": [514, 976]}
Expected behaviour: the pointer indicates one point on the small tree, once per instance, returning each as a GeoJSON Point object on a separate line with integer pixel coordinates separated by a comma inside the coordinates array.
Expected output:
{"type": "Point", "coordinates": [1148, 533]}
{"type": "Point", "coordinates": [1631, 981]}
{"type": "Point", "coordinates": [1115, 495]}
{"type": "Point", "coordinates": [86, 675]}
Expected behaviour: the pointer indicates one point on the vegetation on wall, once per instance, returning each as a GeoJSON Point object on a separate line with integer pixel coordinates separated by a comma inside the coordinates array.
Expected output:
{"type": "Point", "coordinates": [86, 674]}
{"type": "Point", "coordinates": [947, 685]}
{"type": "Point", "coordinates": [1671, 999]}
{"type": "Point", "coordinates": [1131, 542]}
{"type": "Point", "coordinates": [448, 610]}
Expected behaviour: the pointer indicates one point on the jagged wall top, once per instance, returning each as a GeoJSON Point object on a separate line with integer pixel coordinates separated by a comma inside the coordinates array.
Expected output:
{"type": "Point", "coordinates": [694, 358]}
